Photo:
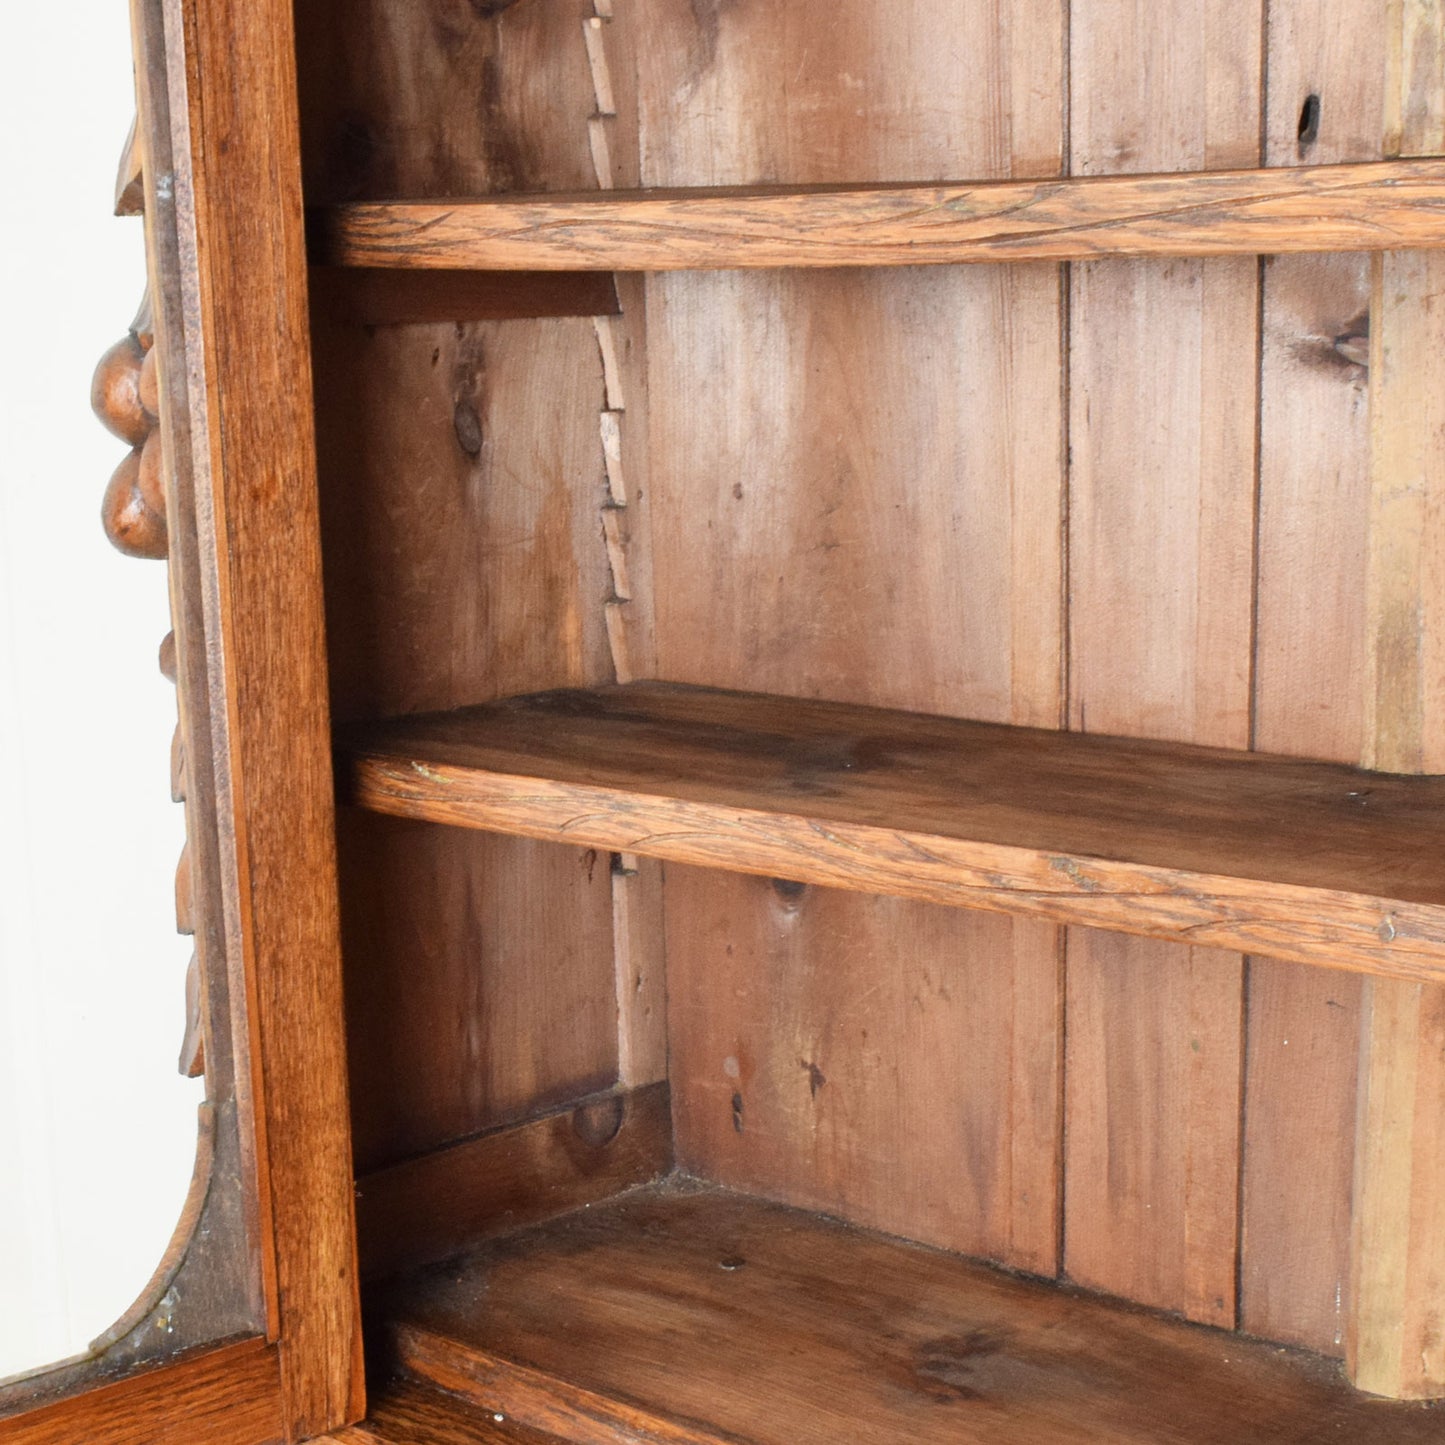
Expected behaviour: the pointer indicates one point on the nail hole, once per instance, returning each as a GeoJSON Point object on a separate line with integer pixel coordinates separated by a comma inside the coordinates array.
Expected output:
{"type": "Point", "coordinates": [1309, 122]}
{"type": "Point", "coordinates": [468, 428]}
{"type": "Point", "coordinates": [731, 1263]}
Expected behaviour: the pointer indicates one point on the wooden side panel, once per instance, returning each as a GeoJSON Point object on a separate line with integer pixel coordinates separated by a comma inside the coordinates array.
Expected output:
{"type": "Point", "coordinates": [1162, 440]}
{"type": "Point", "coordinates": [856, 493]}
{"type": "Point", "coordinates": [1314, 483]}
{"type": "Point", "coordinates": [1396, 1336]}
{"type": "Point", "coordinates": [237, 186]}
{"type": "Point", "coordinates": [461, 480]}
{"type": "Point", "coordinates": [463, 488]}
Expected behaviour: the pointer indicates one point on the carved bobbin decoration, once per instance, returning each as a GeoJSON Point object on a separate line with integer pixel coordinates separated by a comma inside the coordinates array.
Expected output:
{"type": "Point", "coordinates": [124, 397]}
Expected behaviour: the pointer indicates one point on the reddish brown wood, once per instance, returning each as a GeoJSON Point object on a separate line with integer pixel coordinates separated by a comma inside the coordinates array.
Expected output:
{"type": "Point", "coordinates": [149, 384]}
{"type": "Point", "coordinates": [404, 1412]}
{"type": "Point", "coordinates": [703, 1318]}
{"type": "Point", "coordinates": [1312, 208]}
{"type": "Point", "coordinates": [371, 297]}
{"type": "Point", "coordinates": [434, 1206]}
{"type": "Point", "coordinates": [150, 475]}
{"type": "Point", "coordinates": [1315, 862]}
{"type": "Point", "coordinates": [130, 522]}
{"type": "Point", "coordinates": [115, 391]}
{"type": "Point", "coordinates": [236, 349]}
{"type": "Point", "coordinates": [227, 1396]}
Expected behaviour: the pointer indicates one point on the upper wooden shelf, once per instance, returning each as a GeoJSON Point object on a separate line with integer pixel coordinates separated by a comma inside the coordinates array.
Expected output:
{"type": "Point", "coordinates": [1314, 862]}
{"type": "Point", "coordinates": [1387, 205]}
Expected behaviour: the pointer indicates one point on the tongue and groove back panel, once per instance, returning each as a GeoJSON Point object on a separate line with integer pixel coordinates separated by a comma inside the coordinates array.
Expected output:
{"type": "Point", "coordinates": [1131, 497]}
{"type": "Point", "coordinates": [857, 493]}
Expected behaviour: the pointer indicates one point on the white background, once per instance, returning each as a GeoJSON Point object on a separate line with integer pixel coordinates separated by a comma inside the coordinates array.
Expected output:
{"type": "Point", "coordinates": [97, 1129]}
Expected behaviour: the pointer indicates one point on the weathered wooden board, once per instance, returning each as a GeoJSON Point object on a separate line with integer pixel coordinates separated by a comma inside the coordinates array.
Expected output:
{"type": "Point", "coordinates": [1222, 847]}
{"type": "Point", "coordinates": [1385, 206]}
{"type": "Point", "coordinates": [704, 1318]}
{"type": "Point", "coordinates": [1162, 386]}
{"type": "Point", "coordinates": [1303, 1038]}
{"type": "Point", "coordinates": [856, 493]}
{"type": "Point", "coordinates": [461, 478]}
{"type": "Point", "coordinates": [1396, 1336]}
{"type": "Point", "coordinates": [440, 1204]}
{"type": "Point", "coordinates": [464, 485]}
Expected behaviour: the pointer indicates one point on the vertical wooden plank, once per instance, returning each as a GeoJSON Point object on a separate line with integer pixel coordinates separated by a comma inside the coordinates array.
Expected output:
{"type": "Point", "coordinates": [1396, 1340]}
{"type": "Point", "coordinates": [1326, 78]}
{"type": "Point", "coordinates": [238, 183]}
{"type": "Point", "coordinates": [856, 492]}
{"type": "Point", "coordinates": [1162, 433]}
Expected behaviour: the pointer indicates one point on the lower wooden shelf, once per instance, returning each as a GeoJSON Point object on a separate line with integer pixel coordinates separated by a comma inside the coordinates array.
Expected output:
{"type": "Point", "coordinates": [693, 1316]}
{"type": "Point", "coordinates": [1308, 861]}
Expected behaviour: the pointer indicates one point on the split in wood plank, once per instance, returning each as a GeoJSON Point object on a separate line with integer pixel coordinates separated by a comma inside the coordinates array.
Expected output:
{"type": "Point", "coordinates": [1360, 207]}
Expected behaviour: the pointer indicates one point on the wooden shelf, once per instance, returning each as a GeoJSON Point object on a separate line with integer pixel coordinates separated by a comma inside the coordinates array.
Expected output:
{"type": "Point", "coordinates": [700, 1317]}
{"type": "Point", "coordinates": [1298, 860]}
{"type": "Point", "coordinates": [1388, 205]}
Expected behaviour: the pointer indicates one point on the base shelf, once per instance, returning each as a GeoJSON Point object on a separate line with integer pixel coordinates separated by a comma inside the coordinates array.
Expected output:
{"type": "Point", "coordinates": [1313, 862]}
{"type": "Point", "coordinates": [694, 1316]}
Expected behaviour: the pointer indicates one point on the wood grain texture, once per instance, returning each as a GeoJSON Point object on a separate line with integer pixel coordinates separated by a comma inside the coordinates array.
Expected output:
{"type": "Point", "coordinates": [698, 1318]}
{"type": "Point", "coordinates": [856, 491]}
{"type": "Point", "coordinates": [488, 958]}
{"type": "Point", "coordinates": [813, 1062]}
{"type": "Point", "coordinates": [249, 393]}
{"type": "Point", "coordinates": [228, 1396]}
{"type": "Point", "coordinates": [462, 479]}
{"type": "Point", "coordinates": [1159, 838]}
{"type": "Point", "coordinates": [404, 1412]}
{"type": "Point", "coordinates": [1385, 206]}
{"type": "Point", "coordinates": [435, 1206]}
{"type": "Point", "coordinates": [475, 567]}
{"type": "Point", "coordinates": [1303, 1026]}
{"type": "Point", "coordinates": [1162, 388]}
{"type": "Point", "coordinates": [1396, 1333]}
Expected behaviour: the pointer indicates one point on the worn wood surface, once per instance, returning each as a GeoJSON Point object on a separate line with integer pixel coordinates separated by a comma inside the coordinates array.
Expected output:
{"type": "Point", "coordinates": [789, 1082]}
{"type": "Point", "coordinates": [1303, 1026]}
{"type": "Point", "coordinates": [1162, 387]}
{"type": "Point", "coordinates": [1396, 1329]}
{"type": "Point", "coordinates": [1158, 838]}
{"type": "Point", "coordinates": [855, 495]}
{"type": "Point", "coordinates": [1385, 206]}
{"type": "Point", "coordinates": [704, 1317]}
{"type": "Point", "coordinates": [475, 567]}
{"type": "Point", "coordinates": [228, 1396]}
{"type": "Point", "coordinates": [439, 1204]}
{"type": "Point", "coordinates": [404, 1412]}
{"type": "Point", "coordinates": [462, 482]}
